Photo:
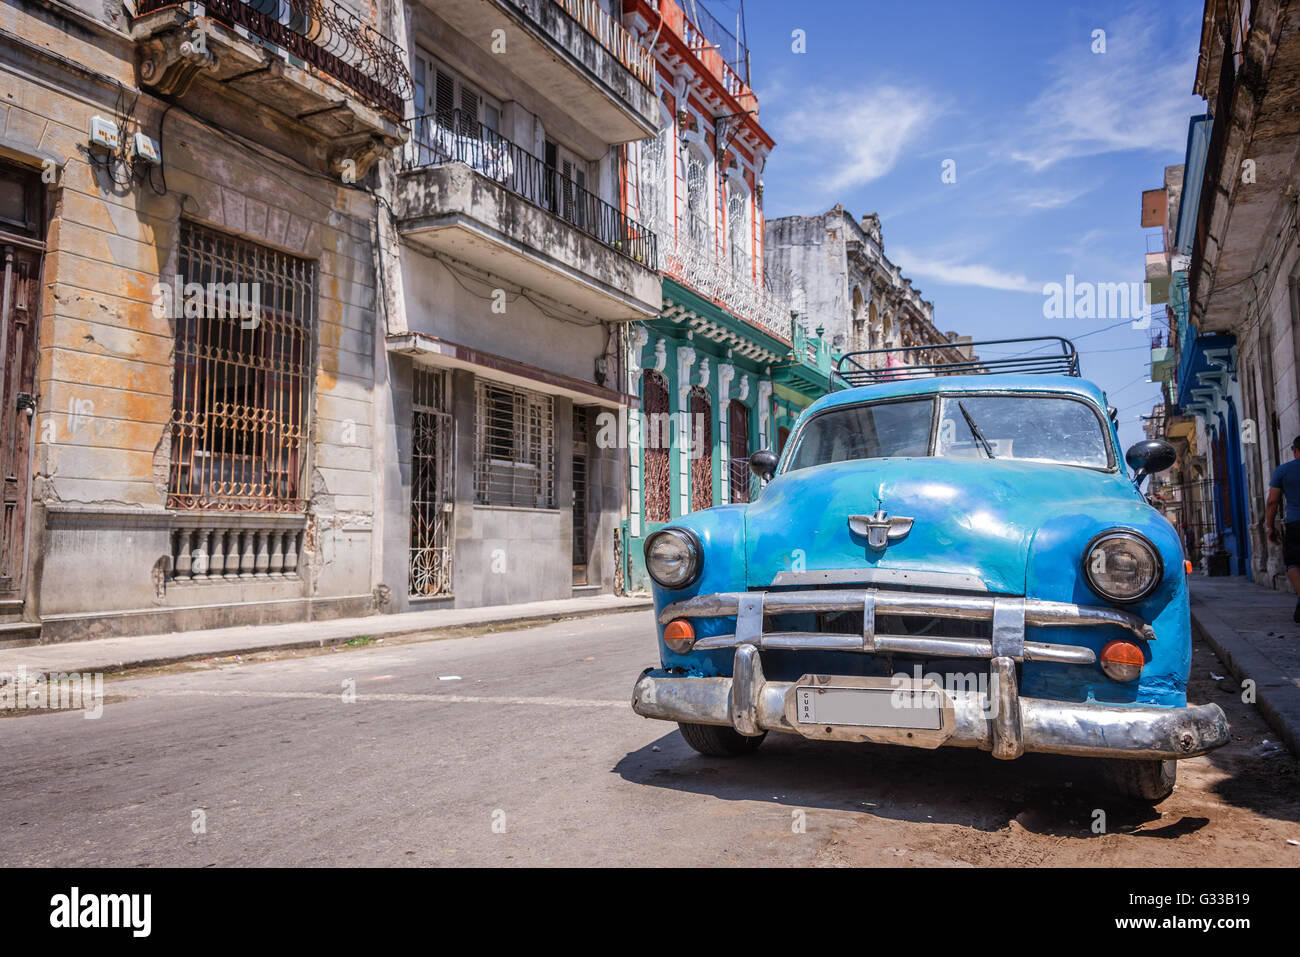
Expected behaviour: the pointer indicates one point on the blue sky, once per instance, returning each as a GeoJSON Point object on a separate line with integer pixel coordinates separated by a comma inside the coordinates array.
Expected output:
{"type": "Point", "coordinates": [1052, 144]}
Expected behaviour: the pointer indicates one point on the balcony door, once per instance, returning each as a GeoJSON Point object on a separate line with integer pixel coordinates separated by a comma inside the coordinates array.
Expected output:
{"type": "Point", "coordinates": [21, 249]}
{"type": "Point", "coordinates": [453, 117]}
{"type": "Point", "coordinates": [566, 191]}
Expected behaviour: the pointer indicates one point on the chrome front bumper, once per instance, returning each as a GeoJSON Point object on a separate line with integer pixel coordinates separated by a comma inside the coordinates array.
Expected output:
{"type": "Point", "coordinates": [1009, 616]}
{"type": "Point", "coordinates": [998, 720]}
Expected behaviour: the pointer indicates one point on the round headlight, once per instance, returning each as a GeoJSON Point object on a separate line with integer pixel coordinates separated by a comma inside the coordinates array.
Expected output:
{"type": "Point", "coordinates": [672, 557]}
{"type": "Point", "coordinates": [1122, 566]}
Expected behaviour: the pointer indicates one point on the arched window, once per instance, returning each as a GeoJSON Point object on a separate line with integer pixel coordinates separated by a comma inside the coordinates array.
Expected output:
{"type": "Point", "coordinates": [738, 234]}
{"type": "Point", "coordinates": [701, 449]}
{"type": "Point", "coordinates": [655, 445]}
{"type": "Point", "coordinates": [860, 337]}
{"type": "Point", "coordinates": [654, 179]}
{"type": "Point", "coordinates": [697, 196]}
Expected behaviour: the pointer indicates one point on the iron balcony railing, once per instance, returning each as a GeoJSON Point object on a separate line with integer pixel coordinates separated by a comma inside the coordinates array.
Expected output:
{"type": "Point", "coordinates": [609, 33]}
{"type": "Point", "coordinates": [696, 259]}
{"type": "Point", "coordinates": [734, 52]}
{"type": "Point", "coordinates": [321, 32]}
{"type": "Point", "coordinates": [451, 136]}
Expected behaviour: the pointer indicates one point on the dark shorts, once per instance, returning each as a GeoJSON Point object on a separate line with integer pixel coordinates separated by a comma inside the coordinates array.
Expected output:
{"type": "Point", "coordinates": [1291, 545]}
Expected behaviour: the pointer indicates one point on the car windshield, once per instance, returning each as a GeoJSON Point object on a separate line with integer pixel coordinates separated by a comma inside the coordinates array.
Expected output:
{"type": "Point", "coordinates": [868, 431]}
{"type": "Point", "coordinates": [1033, 428]}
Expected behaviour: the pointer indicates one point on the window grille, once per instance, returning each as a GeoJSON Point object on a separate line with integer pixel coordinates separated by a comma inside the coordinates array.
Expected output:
{"type": "Point", "coordinates": [738, 227]}
{"type": "Point", "coordinates": [654, 171]}
{"type": "Point", "coordinates": [658, 440]}
{"type": "Point", "coordinates": [514, 443]}
{"type": "Point", "coordinates": [581, 550]}
{"type": "Point", "coordinates": [701, 449]}
{"type": "Point", "coordinates": [697, 197]}
{"type": "Point", "coordinates": [432, 464]}
{"type": "Point", "coordinates": [243, 353]}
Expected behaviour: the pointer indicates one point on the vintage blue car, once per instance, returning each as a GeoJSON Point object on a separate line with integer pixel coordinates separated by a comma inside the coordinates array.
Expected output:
{"type": "Point", "coordinates": [938, 560]}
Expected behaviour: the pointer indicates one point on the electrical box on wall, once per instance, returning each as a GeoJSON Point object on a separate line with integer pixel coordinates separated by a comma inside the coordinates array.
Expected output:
{"type": "Point", "coordinates": [103, 134]}
{"type": "Point", "coordinates": [145, 147]}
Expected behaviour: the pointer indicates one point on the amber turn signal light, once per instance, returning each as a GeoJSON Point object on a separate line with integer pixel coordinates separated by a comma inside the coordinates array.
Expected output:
{"type": "Point", "coordinates": [679, 635]}
{"type": "Point", "coordinates": [1187, 566]}
{"type": "Point", "coordinates": [1122, 660]}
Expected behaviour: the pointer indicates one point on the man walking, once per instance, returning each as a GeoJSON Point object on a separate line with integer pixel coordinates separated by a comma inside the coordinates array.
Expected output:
{"type": "Point", "coordinates": [1286, 483]}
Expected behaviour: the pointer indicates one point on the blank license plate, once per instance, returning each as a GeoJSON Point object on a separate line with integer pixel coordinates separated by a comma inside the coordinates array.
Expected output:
{"type": "Point", "coordinates": [868, 708]}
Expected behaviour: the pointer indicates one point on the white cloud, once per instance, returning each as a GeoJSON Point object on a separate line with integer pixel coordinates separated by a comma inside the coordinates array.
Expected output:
{"type": "Point", "coordinates": [854, 137]}
{"type": "Point", "coordinates": [1135, 96]}
{"type": "Point", "coordinates": [950, 273]}
{"type": "Point", "coordinates": [1048, 197]}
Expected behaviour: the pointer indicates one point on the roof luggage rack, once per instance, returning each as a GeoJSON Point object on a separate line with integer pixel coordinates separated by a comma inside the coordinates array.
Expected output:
{"type": "Point", "coordinates": [856, 369]}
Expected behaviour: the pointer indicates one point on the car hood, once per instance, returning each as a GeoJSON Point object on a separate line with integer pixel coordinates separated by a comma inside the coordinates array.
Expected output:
{"type": "Point", "coordinates": [973, 518]}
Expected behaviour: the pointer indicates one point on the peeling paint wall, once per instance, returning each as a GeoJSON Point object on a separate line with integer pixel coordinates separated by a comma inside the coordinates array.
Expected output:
{"type": "Point", "coordinates": [102, 533]}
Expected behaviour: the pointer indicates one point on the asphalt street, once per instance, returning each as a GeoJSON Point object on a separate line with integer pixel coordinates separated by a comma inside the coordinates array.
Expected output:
{"type": "Point", "coordinates": [520, 748]}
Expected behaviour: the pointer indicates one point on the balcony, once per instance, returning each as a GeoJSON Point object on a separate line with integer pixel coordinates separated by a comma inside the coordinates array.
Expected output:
{"type": "Point", "coordinates": [810, 368]}
{"type": "Point", "coordinates": [1163, 359]}
{"type": "Point", "coordinates": [1157, 266]}
{"type": "Point", "coordinates": [692, 256]}
{"type": "Point", "coordinates": [470, 193]}
{"type": "Point", "coordinates": [291, 58]}
{"type": "Point", "coordinates": [723, 57]}
{"type": "Point", "coordinates": [581, 67]}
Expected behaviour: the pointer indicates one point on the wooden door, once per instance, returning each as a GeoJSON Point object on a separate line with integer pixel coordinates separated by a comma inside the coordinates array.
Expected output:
{"type": "Point", "coordinates": [21, 231]}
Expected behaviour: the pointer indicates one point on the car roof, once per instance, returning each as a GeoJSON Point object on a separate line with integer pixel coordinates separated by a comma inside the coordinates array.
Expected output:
{"type": "Point", "coordinates": [902, 388]}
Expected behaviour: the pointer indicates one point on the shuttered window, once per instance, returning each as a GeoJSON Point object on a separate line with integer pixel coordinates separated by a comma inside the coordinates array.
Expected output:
{"type": "Point", "coordinates": [445, 101]}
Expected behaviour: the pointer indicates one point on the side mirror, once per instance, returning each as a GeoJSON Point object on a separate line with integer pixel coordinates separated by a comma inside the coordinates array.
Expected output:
{"type": "Point", "coordinates": [763, 464]}
{"type": "Point", "coordinates": [1149, 457]}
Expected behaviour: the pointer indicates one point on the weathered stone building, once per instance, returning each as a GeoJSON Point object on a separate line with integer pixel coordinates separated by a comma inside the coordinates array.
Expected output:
{"type": "Point", "coordinates": [189, 297]}
{"type": "Point", "coordinates": [834, 267]}
{"type": "Point", "coordinates": [511, 272]}
{"type": "Point", "coordinates": [723, 368]}
{"type": "Point", "coordinates": [1234, 276]}
{"type": "Point", "coordinates": [314, 309]}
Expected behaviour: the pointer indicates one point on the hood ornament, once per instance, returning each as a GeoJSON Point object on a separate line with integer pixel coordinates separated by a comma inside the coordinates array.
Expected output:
{"type": "Point", "coordinates": [880, 529]}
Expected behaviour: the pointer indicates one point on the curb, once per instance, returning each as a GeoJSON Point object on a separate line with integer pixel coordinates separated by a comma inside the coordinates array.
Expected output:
{"type": "Point", "coordinates": [1276, 699]}
{"type": "Point", "coordinates": [398, 631]}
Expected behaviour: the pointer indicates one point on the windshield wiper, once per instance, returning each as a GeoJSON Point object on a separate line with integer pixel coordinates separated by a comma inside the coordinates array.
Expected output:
{"type": "Point", "coordinates": [975, 431]}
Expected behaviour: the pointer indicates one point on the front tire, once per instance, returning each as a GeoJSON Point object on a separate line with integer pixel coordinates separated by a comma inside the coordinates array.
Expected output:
{"type": "Point", "coordinates": [718, 742]}
{"type": "Point", "coordinates": [1149, 782]}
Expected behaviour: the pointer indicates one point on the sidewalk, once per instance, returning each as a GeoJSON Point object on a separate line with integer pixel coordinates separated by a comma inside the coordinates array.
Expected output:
{"type": "Point", "coordinates": [1250, 629]}
{"type": "Point", "coordinates": [116, 654]}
